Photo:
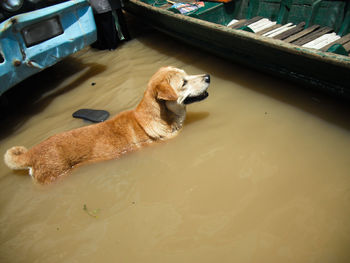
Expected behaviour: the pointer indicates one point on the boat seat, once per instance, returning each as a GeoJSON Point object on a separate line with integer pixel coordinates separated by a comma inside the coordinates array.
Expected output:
{"type": "Point", "coordinates": [315, 36]}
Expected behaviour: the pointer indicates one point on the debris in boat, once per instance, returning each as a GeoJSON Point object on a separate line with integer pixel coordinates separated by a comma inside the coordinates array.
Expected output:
{"type": "Point", "coordinates": [91, 115]}
{"type": "Point", "coordinates": [91, 213]}
{"type": "Point", "coordinates": [185, 8]}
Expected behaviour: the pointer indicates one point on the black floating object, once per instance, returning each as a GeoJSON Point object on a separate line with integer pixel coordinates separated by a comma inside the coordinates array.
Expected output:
{"type": "Point", "coordinates": [91, 115]}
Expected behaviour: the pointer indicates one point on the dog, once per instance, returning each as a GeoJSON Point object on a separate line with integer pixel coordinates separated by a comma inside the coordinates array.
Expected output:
{"type": "Point", "coordinates": [159, 116]}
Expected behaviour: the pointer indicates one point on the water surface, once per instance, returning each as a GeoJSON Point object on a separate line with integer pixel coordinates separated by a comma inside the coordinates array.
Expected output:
{"type": "Point", "coordinates": [260, 172]}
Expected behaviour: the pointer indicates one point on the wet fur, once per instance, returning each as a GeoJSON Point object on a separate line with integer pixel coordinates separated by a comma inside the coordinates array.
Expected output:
{"type": "Point", "coordinates": [159, 116]}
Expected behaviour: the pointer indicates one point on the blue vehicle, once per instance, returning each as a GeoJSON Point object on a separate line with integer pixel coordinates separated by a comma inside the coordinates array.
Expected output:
{"type": "Point", "coordinates": [36, 34]}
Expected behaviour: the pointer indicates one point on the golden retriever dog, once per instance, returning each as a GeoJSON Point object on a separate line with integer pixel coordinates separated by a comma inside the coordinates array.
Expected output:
{"type": "Point", "coordinates": [159, 116]}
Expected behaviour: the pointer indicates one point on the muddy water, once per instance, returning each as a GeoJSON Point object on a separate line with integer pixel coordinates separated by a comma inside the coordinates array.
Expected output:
{"type": "Point", "coordinates": [260, 172]}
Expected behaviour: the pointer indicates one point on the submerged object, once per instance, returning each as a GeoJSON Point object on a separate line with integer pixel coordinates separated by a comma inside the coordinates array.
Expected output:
{"type": "Point", "coordinates": [91, 115]}
{"type": "Point", "coordinates": [306, 41]}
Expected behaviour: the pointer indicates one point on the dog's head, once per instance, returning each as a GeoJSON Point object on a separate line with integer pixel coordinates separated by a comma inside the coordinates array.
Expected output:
{"type": "Point", "coordinates": [162, 110]}
{"type": "Point", "coordinates": [173, 84]}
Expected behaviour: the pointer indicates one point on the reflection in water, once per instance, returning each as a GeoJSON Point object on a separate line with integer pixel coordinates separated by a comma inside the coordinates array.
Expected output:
{"type": "Point", "coordinates": [259, 173]}
{"type": "Point", "coordinates": [192, 117]}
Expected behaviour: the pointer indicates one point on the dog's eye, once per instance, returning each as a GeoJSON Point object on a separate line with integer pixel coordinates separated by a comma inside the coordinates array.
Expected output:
{"type": "Point", "coordinates": [184, 83]}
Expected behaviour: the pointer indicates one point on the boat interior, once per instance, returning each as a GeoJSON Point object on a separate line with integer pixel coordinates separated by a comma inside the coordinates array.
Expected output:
{"type": "Point", "coordinates": [317, 24]}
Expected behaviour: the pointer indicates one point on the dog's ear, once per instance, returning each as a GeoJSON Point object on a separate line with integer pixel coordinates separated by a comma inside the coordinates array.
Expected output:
{"type": "Point", "coordinates": [166, 92]}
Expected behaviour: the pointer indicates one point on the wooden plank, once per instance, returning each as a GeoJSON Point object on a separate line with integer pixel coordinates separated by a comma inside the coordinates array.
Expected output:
{"type": "Point", "coordinates": [341, 41]}
{"type": "Point", "coordinates": [268, 29]}
{"type": "Point", "coordinates": [312, 36]}
{"type": "Point", "coordinates": [301, 34]}
{"type": "Point", "coordinates": [290, 32]}
{"type": "Point", "coordinates": [279, 30]}
{"type": "Point", "coordinates": [246, 22]}
{"type": "Point", "coordinates": [239, 23]}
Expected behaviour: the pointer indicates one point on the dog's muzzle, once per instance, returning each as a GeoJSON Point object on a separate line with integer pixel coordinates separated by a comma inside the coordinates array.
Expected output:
{"type": "Point", "coordinates": [200, 97]}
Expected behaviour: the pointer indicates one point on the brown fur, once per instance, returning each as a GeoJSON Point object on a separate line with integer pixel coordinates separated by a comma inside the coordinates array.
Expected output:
{"type": "Point", "coordinates": [159, 115]}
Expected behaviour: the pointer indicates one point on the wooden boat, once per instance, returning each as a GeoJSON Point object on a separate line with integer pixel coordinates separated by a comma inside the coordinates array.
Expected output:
{"type": "Point", "coordinates": [307, 41]}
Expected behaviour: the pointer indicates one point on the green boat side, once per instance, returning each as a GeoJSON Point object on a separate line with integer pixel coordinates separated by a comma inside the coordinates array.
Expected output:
{"type": "Point", "coordinates": [207, 29]}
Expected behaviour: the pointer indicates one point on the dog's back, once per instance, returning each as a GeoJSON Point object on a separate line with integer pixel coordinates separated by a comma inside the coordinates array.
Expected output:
{"type": "Point", "coordinates": [62, 152]}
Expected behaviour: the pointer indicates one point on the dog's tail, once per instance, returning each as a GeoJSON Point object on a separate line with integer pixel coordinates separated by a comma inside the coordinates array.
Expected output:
{"type": "Point", "coordinates": [16, 158]}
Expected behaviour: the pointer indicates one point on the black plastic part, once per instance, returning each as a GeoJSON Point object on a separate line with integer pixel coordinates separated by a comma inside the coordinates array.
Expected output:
{"type": "Point", "coordinates": [190, 100]}
{"type": "Point", "coordinates": [91, 115]}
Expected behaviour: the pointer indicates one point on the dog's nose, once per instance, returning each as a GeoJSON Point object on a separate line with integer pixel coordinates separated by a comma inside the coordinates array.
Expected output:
{"type": "Point", "coordinates": [207, 78]}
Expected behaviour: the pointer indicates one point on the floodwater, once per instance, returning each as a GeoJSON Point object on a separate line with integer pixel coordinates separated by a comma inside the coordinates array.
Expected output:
{"type": "Point", "coordinates": [260, 172]}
